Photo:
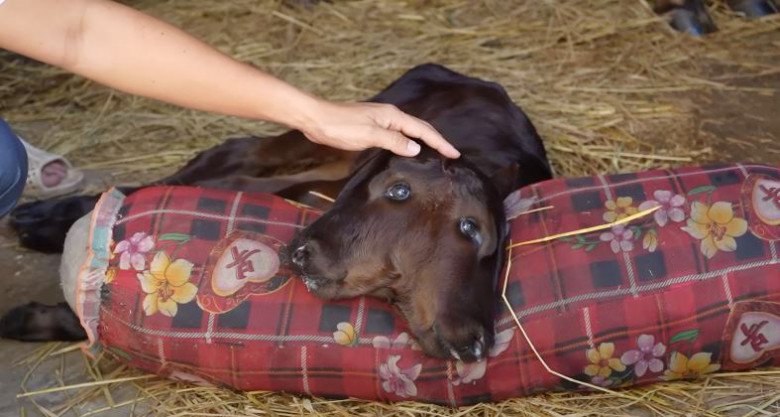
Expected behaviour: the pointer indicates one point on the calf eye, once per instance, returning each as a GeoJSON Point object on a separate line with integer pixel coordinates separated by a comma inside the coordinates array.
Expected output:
{"type": "Point", "coordinates": [399, 191]}
{"type": "Point", "coordinates": [468, 227]}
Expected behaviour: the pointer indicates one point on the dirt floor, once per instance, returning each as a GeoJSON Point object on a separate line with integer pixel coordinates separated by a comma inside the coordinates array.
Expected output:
{"type": "Point", "coordinates": [738, 125]}
{"type": "Point", "coordinates": [744, 127]}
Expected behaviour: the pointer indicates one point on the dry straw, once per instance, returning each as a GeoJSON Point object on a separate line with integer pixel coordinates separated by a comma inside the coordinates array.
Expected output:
{"type": "Point", "coordinates": [609, 86]}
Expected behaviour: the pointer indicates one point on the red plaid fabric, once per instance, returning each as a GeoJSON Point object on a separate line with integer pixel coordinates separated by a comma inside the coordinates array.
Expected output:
{"type": "Point", "coordinates": [197, 292]}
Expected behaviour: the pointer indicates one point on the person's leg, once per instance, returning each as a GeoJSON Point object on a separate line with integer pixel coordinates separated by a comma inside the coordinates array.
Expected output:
{"type": "Point", "coordinates": [13, 168]}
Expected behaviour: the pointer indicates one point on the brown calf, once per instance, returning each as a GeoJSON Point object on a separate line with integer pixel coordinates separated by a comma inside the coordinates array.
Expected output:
{"type": "Point", "coordinates": [425, 233]}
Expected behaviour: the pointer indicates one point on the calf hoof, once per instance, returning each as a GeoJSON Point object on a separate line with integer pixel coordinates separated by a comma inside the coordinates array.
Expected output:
{"type": "Point", "coordinates": [36, 322]}
{"type": "Point", "coordinates": [754, 9]}
{"type": "Point", "coordinates": [692, 21]}
{"type": "Point", "coordinates": [43, 225]}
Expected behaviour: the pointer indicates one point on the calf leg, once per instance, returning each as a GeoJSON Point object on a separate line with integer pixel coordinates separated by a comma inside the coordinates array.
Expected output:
{"type": "Point", "coordinates": [42, 225]}
{"type": "Point", "coordinates": [313, 187]}
{"type": "Point", "coordinates": [277, 184]}
{"type": "Point", "coordinates": [255, 157]}
{"type": "Point", "coordinates": [236, 164]}
{"type": "Point", "coordinates": [36, 322]}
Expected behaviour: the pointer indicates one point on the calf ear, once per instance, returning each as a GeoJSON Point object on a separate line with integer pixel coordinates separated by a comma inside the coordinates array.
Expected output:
{"type": "Point", "coordinates": [506, 179]}
{"type": "Point", "coordinates": [367, 165]}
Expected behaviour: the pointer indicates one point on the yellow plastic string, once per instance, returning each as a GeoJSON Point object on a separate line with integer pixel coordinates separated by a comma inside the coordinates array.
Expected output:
{"type": "Point", "coordinates": [630, 218]}
{"type": "Point", "coordinates": [536, 352]}
{"type": "Point", "coordinates": [322, 196]}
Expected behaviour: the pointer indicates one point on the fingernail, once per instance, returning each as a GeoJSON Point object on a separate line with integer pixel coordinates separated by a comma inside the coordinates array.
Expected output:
{"type": "Point", "coordinates": [413, 147]}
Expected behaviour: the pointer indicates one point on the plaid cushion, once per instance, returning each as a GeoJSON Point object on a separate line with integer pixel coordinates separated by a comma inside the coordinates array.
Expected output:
{"type": "Point", "coordinates": [195, 290]}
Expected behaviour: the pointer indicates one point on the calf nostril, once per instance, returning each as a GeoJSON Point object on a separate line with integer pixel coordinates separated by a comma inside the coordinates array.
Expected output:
{"type": "Point", "coordinates": [300, 255]}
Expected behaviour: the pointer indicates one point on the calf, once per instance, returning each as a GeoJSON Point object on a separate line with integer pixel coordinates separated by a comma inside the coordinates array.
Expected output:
{"type": "Point", "coordinates": [425, 233]}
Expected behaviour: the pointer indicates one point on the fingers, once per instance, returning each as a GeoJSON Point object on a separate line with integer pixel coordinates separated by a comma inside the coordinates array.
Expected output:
{"type": "Point", "coordinates": [386, 125]}
{"type": "Point", "coordinates": [395, 142]}
{"type": "Point", "coordinates": [416, 128]}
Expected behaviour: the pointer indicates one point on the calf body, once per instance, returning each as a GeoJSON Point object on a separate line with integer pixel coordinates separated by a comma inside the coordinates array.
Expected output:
{"type": "Point", "coordinates": [426, 233]}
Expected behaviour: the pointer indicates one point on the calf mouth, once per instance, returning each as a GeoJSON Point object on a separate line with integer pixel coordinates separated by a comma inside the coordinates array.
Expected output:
{"type": "Point", "coordinates": [474, 350]}
{"type": "Point", "coordinates": [314, 282]}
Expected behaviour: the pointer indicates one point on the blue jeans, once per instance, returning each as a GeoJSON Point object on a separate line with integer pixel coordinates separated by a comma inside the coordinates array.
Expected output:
{"type": "Point", "coordinates": [13, 168]}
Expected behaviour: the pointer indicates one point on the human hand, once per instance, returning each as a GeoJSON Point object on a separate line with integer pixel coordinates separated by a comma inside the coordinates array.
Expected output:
{"type": "Point", "coordinates": [357, 126]}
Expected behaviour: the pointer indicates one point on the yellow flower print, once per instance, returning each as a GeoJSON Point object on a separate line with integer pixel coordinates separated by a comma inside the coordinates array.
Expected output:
{"type": "Point", "coordinates": [680, 367]}
{"type": "Point", "coordinates": [716, 226]}
{"type": "Point", "coordinates": [601, 361]}
{"type": "Point", "coordinates": [110, 275]}
{"type": "Point", "coordinates": [166, 285]}
{"type": "Point", "coordinates": [619, 209]}
{"type": "Point", "coordinates": [650, 241]}
{"type": "Point", "coordinates": [345, 335]}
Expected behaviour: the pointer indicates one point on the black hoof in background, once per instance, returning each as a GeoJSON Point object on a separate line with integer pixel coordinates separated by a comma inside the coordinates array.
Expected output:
{"type": "Point", "coordinates": [754, 9]}
{"type": "Point", "coordinates": [686, 21]}
{"type": "Point", "coordinates": [689, 16]}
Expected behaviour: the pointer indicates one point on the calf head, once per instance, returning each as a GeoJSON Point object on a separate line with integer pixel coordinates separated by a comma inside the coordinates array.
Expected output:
{"type": "Point", "coordinates": [424, 233]}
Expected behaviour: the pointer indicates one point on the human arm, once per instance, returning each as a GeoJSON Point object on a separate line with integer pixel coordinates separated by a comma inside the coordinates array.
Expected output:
{"type": "Point", "coordinates": [125, 49]}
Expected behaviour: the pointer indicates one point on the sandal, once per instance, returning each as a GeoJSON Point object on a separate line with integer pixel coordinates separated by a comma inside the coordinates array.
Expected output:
{"type": "Point", "coordinates": [37, 160]}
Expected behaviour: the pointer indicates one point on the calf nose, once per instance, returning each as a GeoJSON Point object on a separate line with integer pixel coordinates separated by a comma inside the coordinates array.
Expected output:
{"type": "Point", "coordinates": [300, 255]}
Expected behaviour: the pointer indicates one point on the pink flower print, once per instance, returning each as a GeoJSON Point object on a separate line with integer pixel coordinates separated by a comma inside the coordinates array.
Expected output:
{"type": "Point", "coordinates": [133, 251]}
{"type": "Point", "coordinates": [671, 207]}
{"type": "Point", "coordinates": [620, 239]}
{"type": "Point", "coordinates": [501, 342]}
{"type": "Point", "coordinates": [601, 381]}
{"type": "Point", "coordinates": [399, 381]}
{"type": "Point", "coordinates": [470, 372]}
{"type": "Point", "coordinates": [646, 357]}
{"type": "Point", "coordinates": [383, 342]}
{"type": "Point", "coordinates": [515, 204]}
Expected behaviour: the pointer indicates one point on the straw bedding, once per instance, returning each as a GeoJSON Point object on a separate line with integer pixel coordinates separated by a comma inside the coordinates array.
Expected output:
{"type": "Point", "coordinates": [608, 85]}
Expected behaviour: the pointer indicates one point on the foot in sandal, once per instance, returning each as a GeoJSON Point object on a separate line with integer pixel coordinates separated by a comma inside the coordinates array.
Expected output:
{"type": "Point", "coordinates": [49, 175]}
